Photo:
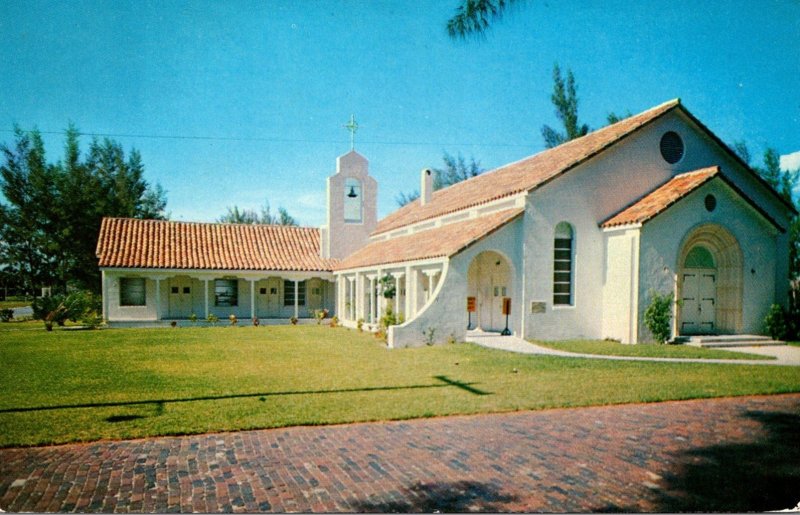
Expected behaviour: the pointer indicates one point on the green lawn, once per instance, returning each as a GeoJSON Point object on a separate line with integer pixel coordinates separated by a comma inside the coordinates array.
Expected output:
{"type": "Point", "coordinates": [123, 383]}
{"type": "Point", "coordinates": [609, 348]}
{"type": "Point", "coordinates": [14, 303]}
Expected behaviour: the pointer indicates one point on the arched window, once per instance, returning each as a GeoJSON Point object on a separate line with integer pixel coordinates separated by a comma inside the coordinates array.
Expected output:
{"type": "Point", "coordinates": [353, 202]}
{"type": "Point", "coordinates": [699, 257]}
{"type": "Point", "coordinates": [562, 265]}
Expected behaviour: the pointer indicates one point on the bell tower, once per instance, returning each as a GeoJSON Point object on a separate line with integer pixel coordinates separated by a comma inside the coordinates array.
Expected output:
{"type": "Point", "coordinates": [352, 204]}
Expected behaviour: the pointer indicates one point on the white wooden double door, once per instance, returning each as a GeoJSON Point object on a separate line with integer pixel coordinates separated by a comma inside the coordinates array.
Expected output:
{"type": "Point", "coordinates": [699, 301]}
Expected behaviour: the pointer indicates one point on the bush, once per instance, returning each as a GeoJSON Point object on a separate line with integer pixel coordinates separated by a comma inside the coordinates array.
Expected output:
{"type": "Point", "coordinates": [57, 309]}
{"type": "Point", "coordinates": [233, 319]}
{"type": "Point", "coordinates": [334, 321]}
{"type": "Point", "coordinates": [212, 319]}
{"type": "Point", "coordinates": [6, 315]}
{"type": "Point", "coordinates": [360, 324]}
{"type": "Point", "coordinates": [293, 320]}
{"type": "Point", "coordinates": [775, 323]}
{"type": "Point", "coordinates": [657, 316]}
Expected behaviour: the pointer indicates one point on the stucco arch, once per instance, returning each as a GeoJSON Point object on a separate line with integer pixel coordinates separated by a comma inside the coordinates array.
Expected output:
{"type": "Point", "coordinates": [728, 259]}
{"type": "Point", "coordinates": [490, 277]}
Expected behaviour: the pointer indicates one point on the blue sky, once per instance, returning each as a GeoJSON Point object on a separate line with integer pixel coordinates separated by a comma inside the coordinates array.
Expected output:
{"type": "Point", "coordinates": [244, 102]}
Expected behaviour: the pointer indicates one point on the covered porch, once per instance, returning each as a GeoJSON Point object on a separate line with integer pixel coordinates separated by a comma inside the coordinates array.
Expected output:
{"type": "Point", "coordinates": [148, 296]}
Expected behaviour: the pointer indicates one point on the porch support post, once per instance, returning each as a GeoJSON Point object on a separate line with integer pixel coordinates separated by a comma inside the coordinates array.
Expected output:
{"type": "Point", "coordinates": [357, 307]}
{"type": "Point", "coordinates": [205, 297]}
{"type": "Point", "coordinates": [407, 308]}
{"type": "Point", "coordinates": [158, 298]}
{"type": "Point", "coordinates": [252, 298]}
{"type": "Point", "coordinates": [351, 313]}
{"type": "Point", "coordinates": [396, 301]}
{"type": "Point", "coordinates": [296, 303]}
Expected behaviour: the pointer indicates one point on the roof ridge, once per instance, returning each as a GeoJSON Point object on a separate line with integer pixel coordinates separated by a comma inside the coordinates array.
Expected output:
{"type": "Point", "coordinates": [192, 222]}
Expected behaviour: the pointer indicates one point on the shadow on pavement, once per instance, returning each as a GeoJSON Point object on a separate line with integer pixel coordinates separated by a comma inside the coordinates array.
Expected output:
{"type": "Point", "coordinates": [457, 497]}
{"type": "Point", "coordinates": [762, 475]}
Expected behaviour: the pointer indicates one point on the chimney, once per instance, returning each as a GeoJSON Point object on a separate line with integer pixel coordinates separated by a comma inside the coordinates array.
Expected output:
{"type": "Point", "coordinates": [426, 186]}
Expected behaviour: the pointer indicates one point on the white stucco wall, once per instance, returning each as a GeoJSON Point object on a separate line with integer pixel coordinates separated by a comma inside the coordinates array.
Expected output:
{"type": "Point", "coordinates": [447, 311]}
{"type": "Point", "coordinates": [620, 286]}
{"type": "Point", "coordinates": [197, 303]}
{"type": "Point", "coordinates": [591, 193]}
{"type": "Point", "coordinates": [663, 237]}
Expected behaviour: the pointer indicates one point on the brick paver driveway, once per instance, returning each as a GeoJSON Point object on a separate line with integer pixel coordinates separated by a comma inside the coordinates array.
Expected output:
{"type": "Point", "coordinates": [739, 454]}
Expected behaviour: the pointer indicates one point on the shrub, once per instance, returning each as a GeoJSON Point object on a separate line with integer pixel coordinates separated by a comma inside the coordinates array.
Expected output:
{"type": "Point", "coordinates": [360, 324]}
{"type": "Point", "coordinates": [429, 335]}
{"type": "Point", "coordinates": [256, 321]}
{"type": "Point", "coordinates": [233, 319]}
{"type": "Point", "coordinates": [775, 323]}
{"type": "Point", "coordinates": [212, 319]}
{"type": "Point", "coordinates": [193, 318]}
{"type": "Point", "coordinates": [320, 315]}
{"type": "Point", "coordinates": [388, 286]}
{"type": "Point", "coordinates": [334, 321]}
{"type": "Point", "coordinates": [6, 315]}
{"type": "Point", "coordinates": [57, 309]}
{"type": "Point", "coordinates": [293, 320]}
{"type": "Point", "coordinates": [657, 316]}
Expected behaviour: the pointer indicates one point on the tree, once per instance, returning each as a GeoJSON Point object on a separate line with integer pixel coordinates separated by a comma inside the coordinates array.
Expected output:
{"type": "Point", "coordinates": [455, 170]}
{"type": "Point", "coordinates": [28, 186]}
{"type": "Point", "coordinates": [51, 221]}
{"type": "Point", "coordinates": [234, 215]}
{"type": "Point", "coordinates": [473, 17]}
{"type": "Point", "coordinates": [565, 100]}
{"type": "Point", "coordinates": [613, 117]}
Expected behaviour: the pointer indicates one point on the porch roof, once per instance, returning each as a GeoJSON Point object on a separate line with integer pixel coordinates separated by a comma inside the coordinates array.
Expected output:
{"type": "Point", "coordinates": [161, 244]}
{"type": "Point", "coordinates": [672, 191]}
{"type": "Point", "coordinates": [662, 197]}
{"type": "Point", "coordinates": [444, 241]}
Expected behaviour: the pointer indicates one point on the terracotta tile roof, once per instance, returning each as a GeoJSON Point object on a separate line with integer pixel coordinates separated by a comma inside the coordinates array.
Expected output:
{"type": "Point", "coordinates": [521, 176]}
{"type": "Point", "coordinates": [662, 197]}
{"type": "Point", "coordinates": [444, 241]}
{"type": "Point", "coordinates": [133, 243]}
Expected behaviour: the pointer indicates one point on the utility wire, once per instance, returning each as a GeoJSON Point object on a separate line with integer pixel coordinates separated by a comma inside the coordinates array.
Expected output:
{"type": "Point", "coordinates": [279, 140]}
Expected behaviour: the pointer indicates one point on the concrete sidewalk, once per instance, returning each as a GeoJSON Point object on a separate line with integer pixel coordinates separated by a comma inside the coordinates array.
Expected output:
{"type": "Point", "coordinates": [785, 355]}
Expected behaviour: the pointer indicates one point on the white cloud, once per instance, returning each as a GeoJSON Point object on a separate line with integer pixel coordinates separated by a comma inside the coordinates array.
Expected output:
{"type": "Point", "coordinates": [790, 161]}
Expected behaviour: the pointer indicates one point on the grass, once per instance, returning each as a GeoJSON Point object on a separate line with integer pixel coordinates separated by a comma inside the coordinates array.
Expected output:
{"type": "Point", "coordinates": [124, 383]}
{"type": "Point", "coordinates": [4, 304]}
{"type": "Point", "coordinates": [610, 348]}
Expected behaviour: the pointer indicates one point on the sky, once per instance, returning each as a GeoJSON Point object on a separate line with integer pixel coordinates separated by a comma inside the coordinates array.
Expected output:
{"type": "Point", "coordinates": [242, 103]}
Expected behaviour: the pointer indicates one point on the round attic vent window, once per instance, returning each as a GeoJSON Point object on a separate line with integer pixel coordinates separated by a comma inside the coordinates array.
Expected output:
{"type": "Point", "coordinates": [711, 203]}
{"type": "Point", "coordinates": [671, 147]}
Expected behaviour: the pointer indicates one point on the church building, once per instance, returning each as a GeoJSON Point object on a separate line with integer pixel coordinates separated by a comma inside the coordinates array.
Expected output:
{"type": "Point", "coordinates": [572, 242]}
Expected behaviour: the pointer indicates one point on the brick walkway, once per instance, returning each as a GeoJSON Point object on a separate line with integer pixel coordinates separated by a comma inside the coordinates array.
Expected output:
{"type": "Point", "coordinates": [740, 454]}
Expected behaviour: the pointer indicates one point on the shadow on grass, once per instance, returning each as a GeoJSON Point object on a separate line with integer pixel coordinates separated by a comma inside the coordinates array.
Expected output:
{"type": "Point", "coordinates": [761, 475]}
{"type": "Point", "coordinates": [455, 497]}
{"type": "Point", "coordinates": [444, 382]}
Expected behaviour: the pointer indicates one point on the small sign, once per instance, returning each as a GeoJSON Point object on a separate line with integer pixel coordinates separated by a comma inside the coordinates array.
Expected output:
{"type": "Point", "coordinates": [471, 304]}
{"type": "Point", "coordinates": [506, 305]}
{"type": "Point", "coordinates": [538, 307]}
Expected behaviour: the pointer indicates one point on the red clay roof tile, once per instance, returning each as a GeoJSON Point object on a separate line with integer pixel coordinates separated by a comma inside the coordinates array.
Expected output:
{"type": "Point", "coordinates": [662, 197]}
{"type": "Point", "coordinates": [134, 243]}
{"type": "Point", "coordinates": [521, 176]}
{"type": "Point", "coordinates": [444, 241]}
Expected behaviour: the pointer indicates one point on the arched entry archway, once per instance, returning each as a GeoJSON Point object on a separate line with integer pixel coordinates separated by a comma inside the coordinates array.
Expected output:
{"type": "Point", "coordinates": [489, 279]}
{"type": "Point", "coordinates": [710, 282]}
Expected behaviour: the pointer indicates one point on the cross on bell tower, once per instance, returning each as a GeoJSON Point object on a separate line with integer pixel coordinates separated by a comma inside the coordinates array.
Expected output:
{"type": "Point", "coordinates": [352, 126]}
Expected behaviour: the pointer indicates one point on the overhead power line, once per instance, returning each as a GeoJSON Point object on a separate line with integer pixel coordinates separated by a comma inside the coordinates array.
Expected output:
{"type": "Point", "coordinates": [281, 140]}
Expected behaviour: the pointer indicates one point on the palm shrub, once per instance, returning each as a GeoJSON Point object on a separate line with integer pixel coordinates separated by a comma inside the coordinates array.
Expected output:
{"type": "Point", "coordinates": [775, 323]}
{"type": "Point", "coordinates": [657, 316]}
{"type": "Point", "coordinates": [57, 309]}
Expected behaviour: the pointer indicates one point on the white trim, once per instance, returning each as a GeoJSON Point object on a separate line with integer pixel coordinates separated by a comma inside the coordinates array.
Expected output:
{"type": "Point", "coordinates": [399, 265]}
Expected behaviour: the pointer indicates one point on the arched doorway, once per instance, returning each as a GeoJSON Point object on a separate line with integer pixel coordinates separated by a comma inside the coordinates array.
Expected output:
{"type": "Point", "coordinates": [489, 280]}
{"type": "Point", "coordinates": [710, 282]}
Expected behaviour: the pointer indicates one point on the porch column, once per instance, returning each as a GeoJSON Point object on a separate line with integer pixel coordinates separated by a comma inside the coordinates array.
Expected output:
{"type": "Point", "coordinates": [359, 301]}
{"type": "Point", "coordinates": [252, 298]}
{"type": "Point", "coordinates": [296, 292]}
{"type": "Point", "coordinates": [351, 283]}
{"type": "Point", "coordinates": [158, 298]}
{"type": "Point", "coordinates": [431, 274]}
{"type": "Point", "coordinates": [104, 282]}
{"type": "Point", "coordinates": [372, 299]}
{"type": "Point", "coordinates": [397, 276]}
{"type": "Point", "coordinates": [205, 287]}
{"type": "Point", "coordinates": [407, 308]}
